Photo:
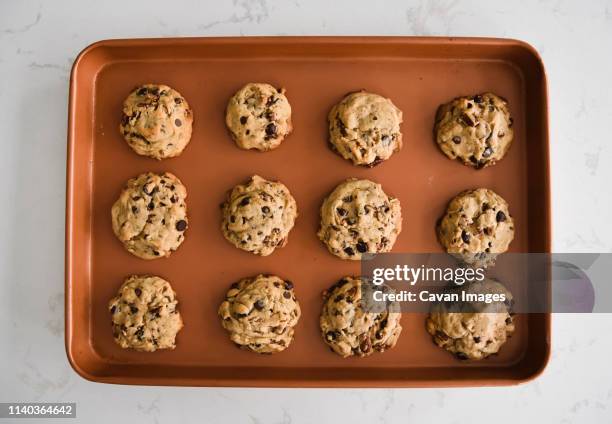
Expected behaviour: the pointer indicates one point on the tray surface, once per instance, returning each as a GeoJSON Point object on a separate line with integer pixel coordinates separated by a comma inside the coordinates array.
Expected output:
{"type": "Point", "coordinates": [418, 74]}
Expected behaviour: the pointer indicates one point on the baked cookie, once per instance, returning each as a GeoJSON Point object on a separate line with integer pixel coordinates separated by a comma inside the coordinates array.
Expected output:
{"type": "Point", "coordinates": [259, 117]}
{"type": "Point", "coordinates": [472, 330]}
{"type": "Point", "coordinates": [156, 121]}
{"type": "Point", "coordinates": [359, 218]}
{"type": "Point", "coordinates": [477, 227]}
{"type": "Point", "coordinates": [150, 216]}
{"type": "Point", "coordinates": [260, 313]}
{"type": "Point", "coordinates": [258, 215]}
{"type": "Point", "coordinates": [351, 331]}
{"type": "Point", "coordinates": [144, 314]}
{"type": "Point", "coordinates": [365, 128]}
{"type": "Point", "coordinates": [477, 130]}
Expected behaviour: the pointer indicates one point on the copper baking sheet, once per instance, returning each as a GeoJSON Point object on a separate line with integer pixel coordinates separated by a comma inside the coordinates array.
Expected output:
{"type": "Point", "coordinates": [417, 74]}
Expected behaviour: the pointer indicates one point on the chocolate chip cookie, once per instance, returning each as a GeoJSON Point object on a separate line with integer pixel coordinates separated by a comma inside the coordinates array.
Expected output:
{"type": "Point", "coordinates": [472, 330]}
{"type": "Point", "coordinates": [258, 216]}
{"type": "Point", "coordinates": [156, 121]}
{"type": "Point", "coordinates": [150, 216]}
{"type": "Point", "coordinates": [260, 313]}
{"type": "Point", "coordinates": [259, 117]}
{"type": "Point", "coordinates": [144, 314]}
{"type": "Point", "coordinates": [365, 128]}
{"type": "Point", "coordinates": [349, 329]}
{"type": "Point", "coordinates": [476, 130]}
{"type": "Point", "coordinates": [358, 218]}
{"type": "Point", "coordinates": [476, 227]}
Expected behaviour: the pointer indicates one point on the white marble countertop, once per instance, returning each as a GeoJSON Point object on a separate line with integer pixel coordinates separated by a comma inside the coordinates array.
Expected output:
{"type": "Point", "coordinates": [38, 42]}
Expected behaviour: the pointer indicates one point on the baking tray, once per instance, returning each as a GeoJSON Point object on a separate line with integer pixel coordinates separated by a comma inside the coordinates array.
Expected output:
{"type": "Point", "coordinates": [418, 74]}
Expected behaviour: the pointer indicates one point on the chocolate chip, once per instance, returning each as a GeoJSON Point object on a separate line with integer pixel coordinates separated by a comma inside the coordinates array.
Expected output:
{"type": "Point", "coordinates": [511, 122]}
{"type": "Point", "coordinates": [134, 209]}
{"type": "Point", "coordinates": [113, 309]}
{"type": "Point", "coordinates": [133, 309]}
{"type": "Point", "coordinates": [348, 199]}
{"type": "Point", "coordinates": [462, 356]}
{"type": "Point", "coordinates": [362, 246]}
{"type": "Point", "coordinates": [181, 225]}
{"type": "Point", "coordinates": [456, 139]}
{"type": "Point", "coordinates": [151, 205]}
{"type": "Point", "coordinates": [156, 253]}
{"type": "Point", "coordinates": [259, 304]}
{"type": "Point", "coordinates": [142, 91]}
{"type": "Point", "coordinates": [178, 122]}
{"type": "Point", "coordinates": [476, 339]}
{"type": "Point", "coordinates": [271, 101]}
{"type": "Point", "coordinates": [465, 237]}
{"type": "Point", "coordinates": [487, 152]}
{"type": "Point", "coordinates": [349, 251]}
{"type": "Point", "coordinates": [467, 120]}
{"type": "Point", "coordinates": [500, 217]}
{"type": "Point", "coordinates": [287, 295]}
{"type": "Point", "coordinates": [441, 335]}
{"type": "Point", "coordinates": [234, 285]}
{"type": "Point", "coordinates": [365, 345]}
{"type": "Point", "coordinates": [265, 209]}
{"type": "Point", "coordinates": [341, 211]}
{"type": "Point", "coordinates": [232, 219]}
{"type": "Point", "coordinates": [140, 333]}
{"type": "Point", "coordinates": [385, 138]}
{"type": "Point", "coordinates": [138, 292]}
{"type": "Point", "coordinates": [288, 285]}
{"type": "Point", "coordinates": [331, 335]}
{"type": "Point", "coordinates": [243, 119]}
{"type": "Point", "coordinates": [478, 99]}
{"type": "Point", "coordinates": [340, 283]}
{"type": "Point", "coordinates": [245, 201]}
{"type": "Point", "coordinates": [178, 100]}
{"type": "Point", "coordinates": [271, 130]}
{"type": "Point", "coordinates": [341, 127]}
{"type": "Point", "coordinates": [375, 162]}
